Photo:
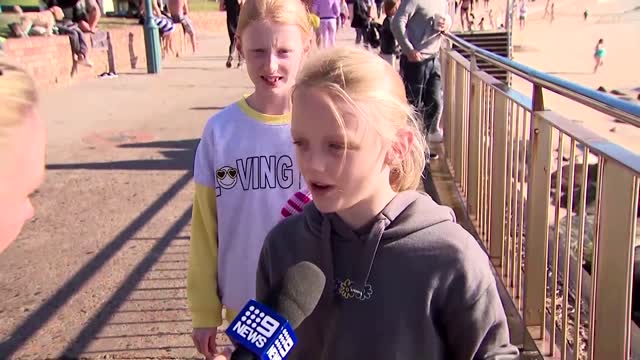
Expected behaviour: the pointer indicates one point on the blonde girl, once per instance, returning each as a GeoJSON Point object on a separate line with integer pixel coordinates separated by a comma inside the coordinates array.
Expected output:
{"type": "Point", "coordinates": [404, 281]}
{"type": "Point", "coordinates": [22, 147]}
{"type": "Point", "coordinates": [244, 170]}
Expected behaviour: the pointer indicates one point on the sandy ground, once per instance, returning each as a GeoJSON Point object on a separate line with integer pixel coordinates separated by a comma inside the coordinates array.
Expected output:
{"type": "Point", "coordinates": [565, 48]}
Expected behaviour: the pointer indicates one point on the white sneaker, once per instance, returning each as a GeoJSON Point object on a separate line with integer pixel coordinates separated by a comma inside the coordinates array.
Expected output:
{"type": "Point", "coordinates": [436, 137]}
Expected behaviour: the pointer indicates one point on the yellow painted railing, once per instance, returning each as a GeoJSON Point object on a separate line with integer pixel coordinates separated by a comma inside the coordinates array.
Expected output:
{"type": "Point", "coordinates": [554, 203]}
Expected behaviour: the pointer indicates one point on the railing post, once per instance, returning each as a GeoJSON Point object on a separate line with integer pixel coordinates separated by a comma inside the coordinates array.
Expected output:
{"type": "Point", "coordinates": [614, 252]}
{"type": "Point", "coordinates": [452, 105]}
{"type": "Point", "coordinates": [473, 179]}
{"type": "Point", "coordinates": [458, 141]}
{"type": "Point", "coordinates": [447, 98]}
{"type": "Point", "coordinates": [498, 177]}
{"type": "Point", "coordinates": [537, 226]}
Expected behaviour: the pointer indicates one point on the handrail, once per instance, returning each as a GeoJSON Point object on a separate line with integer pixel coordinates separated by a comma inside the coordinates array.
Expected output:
{"type": "Point", "coordinates": [620, 109]}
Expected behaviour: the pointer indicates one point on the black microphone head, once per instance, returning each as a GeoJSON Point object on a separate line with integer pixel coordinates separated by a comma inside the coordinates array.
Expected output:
{"type": "Point", "coordinates": [301, 289]}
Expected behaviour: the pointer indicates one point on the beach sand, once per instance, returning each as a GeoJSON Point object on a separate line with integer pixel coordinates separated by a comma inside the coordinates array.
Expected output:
{"type": "Point", "coordinates": [565, 49]}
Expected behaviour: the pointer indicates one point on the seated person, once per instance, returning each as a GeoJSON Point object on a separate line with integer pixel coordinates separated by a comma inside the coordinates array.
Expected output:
{"type": "Point", "coordinates": [85, 13]}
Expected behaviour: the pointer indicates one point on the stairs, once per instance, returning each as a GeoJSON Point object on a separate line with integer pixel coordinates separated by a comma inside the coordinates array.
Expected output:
{"type": "Point", "coordinates": [497, 42]}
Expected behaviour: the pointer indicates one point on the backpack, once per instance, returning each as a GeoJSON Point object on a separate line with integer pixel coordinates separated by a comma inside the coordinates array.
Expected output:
{"type": "Point", "coordinates": [372, 36]}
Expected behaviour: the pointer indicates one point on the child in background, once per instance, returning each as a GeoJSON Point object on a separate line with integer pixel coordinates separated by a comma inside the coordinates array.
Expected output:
{"type": "Point", "coordinates": [244, 170]}
{"type": "Point", "coordinates": [389, 49]}
{"type": "Point", "coordinates": [481, 24]}
{"type": "Point", "coordinates": [599, 54]}
{"type": "Point", "coordinates": [380, 244]}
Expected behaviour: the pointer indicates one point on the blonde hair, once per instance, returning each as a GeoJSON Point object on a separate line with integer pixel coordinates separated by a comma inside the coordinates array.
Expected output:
{"type": "Point", "coordinates": [17, 95]}
{"type": "Point", "coordinates": [361, 78]}
{"type": "Point", "coordinates": [292, 12]}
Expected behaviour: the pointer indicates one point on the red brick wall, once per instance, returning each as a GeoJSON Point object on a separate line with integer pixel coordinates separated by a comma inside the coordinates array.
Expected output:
{"type": "Point", "coordinates": [49, 60]}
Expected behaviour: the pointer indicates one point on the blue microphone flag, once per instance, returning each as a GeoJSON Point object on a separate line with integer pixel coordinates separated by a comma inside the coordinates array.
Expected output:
{"type": "Point", "coordinates": [262, 331]}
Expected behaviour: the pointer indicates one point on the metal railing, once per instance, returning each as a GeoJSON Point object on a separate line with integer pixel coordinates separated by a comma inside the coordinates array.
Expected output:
{"type": "Point", "coordinates": [554, 203]}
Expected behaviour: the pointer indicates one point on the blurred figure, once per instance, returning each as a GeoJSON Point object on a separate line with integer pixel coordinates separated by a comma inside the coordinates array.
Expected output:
{"type": "Point", "coordinates": [599, 55]}
{"type": "Point", "coordinates": [22, 146]}
{"type": "Point", "coordinates": [523, 15]}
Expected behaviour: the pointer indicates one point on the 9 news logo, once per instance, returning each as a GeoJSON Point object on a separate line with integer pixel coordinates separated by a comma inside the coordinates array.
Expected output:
{"type": "Point", "coordinates": [281, 346]}
{"type": "Point", "coordinates": [256, 326]}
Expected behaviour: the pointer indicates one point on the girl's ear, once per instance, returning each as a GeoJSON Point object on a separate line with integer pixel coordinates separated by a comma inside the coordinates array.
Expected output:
{"type": "Point", "coordinates": [400, 147]}
{"type": "Point", "coordinates": [306, 46]}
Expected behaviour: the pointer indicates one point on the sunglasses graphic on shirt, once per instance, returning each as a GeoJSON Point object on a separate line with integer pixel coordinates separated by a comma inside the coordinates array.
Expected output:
{"type": "Point", "coordinates": [222, 173]}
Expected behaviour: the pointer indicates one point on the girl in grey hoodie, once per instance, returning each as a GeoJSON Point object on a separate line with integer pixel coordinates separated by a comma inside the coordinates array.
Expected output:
{"type": "Point", "coordinates": [404, 281]}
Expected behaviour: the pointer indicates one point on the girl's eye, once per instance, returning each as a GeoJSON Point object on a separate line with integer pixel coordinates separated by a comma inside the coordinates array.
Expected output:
{"type": "Point", "coordinates": [336, 146]}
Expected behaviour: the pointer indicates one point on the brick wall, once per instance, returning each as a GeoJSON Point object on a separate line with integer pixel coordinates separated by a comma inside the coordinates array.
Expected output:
{"type": "Point", "coordinates": [49, 59]}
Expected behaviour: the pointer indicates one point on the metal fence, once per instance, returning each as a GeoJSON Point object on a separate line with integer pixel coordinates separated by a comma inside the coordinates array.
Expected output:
{"type": "Point", "coordinates": [555, 204]}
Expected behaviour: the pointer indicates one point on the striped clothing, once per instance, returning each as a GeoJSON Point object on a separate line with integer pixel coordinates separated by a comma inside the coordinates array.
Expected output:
{"type": "Point", "coordinates": [295, 203]}
{"type": "Point", "coordinates": [165, 25]}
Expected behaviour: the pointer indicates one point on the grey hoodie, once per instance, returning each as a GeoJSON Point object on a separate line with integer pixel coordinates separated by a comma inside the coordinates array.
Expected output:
{"type": "Point", "coordinates": [413, 26]}
{"type": "Point", "coordinates": [421, 286]}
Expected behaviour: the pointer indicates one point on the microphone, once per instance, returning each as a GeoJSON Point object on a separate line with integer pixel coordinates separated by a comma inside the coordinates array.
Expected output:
{"type": "Point", "coordinates": [265, 331]}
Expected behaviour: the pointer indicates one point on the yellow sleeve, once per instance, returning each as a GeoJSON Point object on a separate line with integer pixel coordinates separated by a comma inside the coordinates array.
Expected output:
{"type": "Point", "coordinates": [202, 276]}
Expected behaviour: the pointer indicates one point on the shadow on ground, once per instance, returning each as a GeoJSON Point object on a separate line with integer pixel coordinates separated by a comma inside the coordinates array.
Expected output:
{"type": "Point", "coordinates": [179, 157]}
{"type": "Point", "coordinates": [155, 284]}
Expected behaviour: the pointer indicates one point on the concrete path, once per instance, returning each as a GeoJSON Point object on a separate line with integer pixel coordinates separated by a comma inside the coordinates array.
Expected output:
{"type": "Point", "coordinates": [100, 272]}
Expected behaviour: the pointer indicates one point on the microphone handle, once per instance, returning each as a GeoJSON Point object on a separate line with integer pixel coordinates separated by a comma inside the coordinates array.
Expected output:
{"type": "Point", "coordinates": [241, 353]}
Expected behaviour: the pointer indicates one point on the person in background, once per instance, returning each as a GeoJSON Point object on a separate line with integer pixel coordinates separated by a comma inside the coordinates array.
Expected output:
{"type": "Point", "coordinates": [466, 8]}
{"type": "Point", "coordinates": [389, 49]}
{"type": "Point", "coordinates": [232, 210]}
{"type": "Point", "coordinates": [599, 54]}
{"type": "Point", "coordinates": [232, 7]}
{"type": "Point", "coordinates": [417, 26]}
{"type": "Point", "coordinates": [85, 15]}
{"type": "Point", "coordinates": [328, 11]}
{"type": "Point", "coordinates": [523, 14]}
{"type": "Point", "coordinates": [22, 150]}
{"type": "Point", "coordinates": [344, 13]}
{"type": "Point", "coordinates": [361, 14]}
{"type": "Point", "coordinates": [179, 10]}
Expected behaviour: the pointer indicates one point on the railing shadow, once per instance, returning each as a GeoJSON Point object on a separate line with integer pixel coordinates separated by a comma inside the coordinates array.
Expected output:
{"type": "Point", "coordinates": [180, 157]}
{"type": "Point", "coordinates": [37, 319]}
{"type": "Point", "coordinates": [131, 285]}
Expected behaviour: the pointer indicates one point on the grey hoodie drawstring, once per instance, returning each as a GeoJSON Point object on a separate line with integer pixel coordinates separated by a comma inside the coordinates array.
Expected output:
{"type": "Point", "coordinates": [363, 271]}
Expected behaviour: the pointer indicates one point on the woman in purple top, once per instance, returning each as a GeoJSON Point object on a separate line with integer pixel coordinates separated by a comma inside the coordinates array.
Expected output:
{"type": "Point", "coordinates": [328, 12]}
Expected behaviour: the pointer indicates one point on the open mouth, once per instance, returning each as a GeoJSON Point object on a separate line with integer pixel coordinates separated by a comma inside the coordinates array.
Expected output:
{"type": "Point", "coordinates": [320, 188]}
{"type": "Point", "coordinates": [272, 80]}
